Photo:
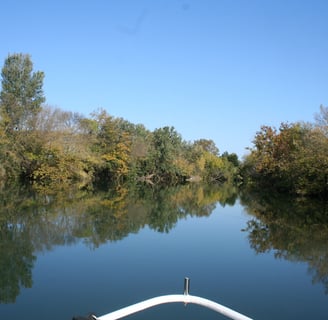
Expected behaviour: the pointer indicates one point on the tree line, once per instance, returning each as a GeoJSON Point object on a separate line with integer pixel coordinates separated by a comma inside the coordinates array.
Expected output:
{"type": "Point", "coordinates": [47, 146]}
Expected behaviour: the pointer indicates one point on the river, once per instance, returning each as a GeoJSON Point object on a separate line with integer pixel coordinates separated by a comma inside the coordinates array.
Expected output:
{"type": "Point", "coordinates": [74, 254]}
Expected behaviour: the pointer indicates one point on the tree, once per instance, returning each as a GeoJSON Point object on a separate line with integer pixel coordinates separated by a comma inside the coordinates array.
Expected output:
{"type": "Point", "coordinates": [22, 95]}
{"type": "Point", "coordinates": [167, 145]}
{"type": "Point", "coordinates": [293, 159]}
{"type": "Point", "coordinates": [231, 157]}
{"type": "Point", "coordinates": [321, 119]}
{"type": "Point", "coordinates": [60, 149]}
{"type": "Point", "coordinates": [207, 145]}
{"type": "Point", "coordinates": [113, 147]}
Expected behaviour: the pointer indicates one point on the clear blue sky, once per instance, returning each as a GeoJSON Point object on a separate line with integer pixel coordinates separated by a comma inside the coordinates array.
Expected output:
{"type": "Point", "coordinates": [213, 69]}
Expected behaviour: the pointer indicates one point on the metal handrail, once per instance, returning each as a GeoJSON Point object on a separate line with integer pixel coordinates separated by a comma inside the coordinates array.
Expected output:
{"type": "Point", "coordinates": [185, 298]}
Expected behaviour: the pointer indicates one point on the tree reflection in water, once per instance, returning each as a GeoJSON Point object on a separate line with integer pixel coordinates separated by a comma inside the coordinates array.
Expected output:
{"type": "Point", "coordinates": [32, 222]}
{"type": "Point", "coordinates": [294, 229]}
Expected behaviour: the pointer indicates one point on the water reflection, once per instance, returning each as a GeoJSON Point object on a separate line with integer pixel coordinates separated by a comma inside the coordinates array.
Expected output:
{"type": "Point", "coordinates": [32, 222]}
{"type": "Point", "coordinates": [294, 229]}
{"type": "Point", "coordinates": [16, 262]}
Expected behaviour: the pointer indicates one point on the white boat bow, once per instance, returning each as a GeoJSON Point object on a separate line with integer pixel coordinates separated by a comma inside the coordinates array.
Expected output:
{"type": "Point", "coordinates": [185, 298]}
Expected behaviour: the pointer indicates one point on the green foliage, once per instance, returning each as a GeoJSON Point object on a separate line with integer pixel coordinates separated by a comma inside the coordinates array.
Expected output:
{"type": "Point", "coordinates": [20, 102]}
{"type": "Point", "coordinates": [166, 146]}
{"type": "Point", "coordinates": [232, 158]}
{"type": "Point", "coordinates": [22, 95]}
{"type": "Point", "coordinates": [293, 159]}
{"type": "Point", "coordinates": [50, 147]}
{"type": "Point", "coordinates": [112, 145]}
{"type": "Point", "coordinates": [9, 161]}
{"type": "Point", "coordinates": [207, 146]}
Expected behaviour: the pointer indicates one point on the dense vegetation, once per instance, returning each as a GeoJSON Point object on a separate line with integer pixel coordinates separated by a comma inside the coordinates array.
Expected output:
{"type": "Point", "coordinates": [47, 146]}
{"type": "Point", "coordinates": [293, 159]}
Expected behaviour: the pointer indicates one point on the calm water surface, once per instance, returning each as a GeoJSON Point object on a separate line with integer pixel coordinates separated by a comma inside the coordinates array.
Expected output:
{"type": "Point", "coordinates": [77, 277]}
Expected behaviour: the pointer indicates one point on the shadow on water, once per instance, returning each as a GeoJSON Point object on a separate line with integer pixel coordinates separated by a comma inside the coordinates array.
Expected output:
{"type": "Point", "coordinates": [294, 229]}
{"type": "Point", "coordinates": [33, 222]}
